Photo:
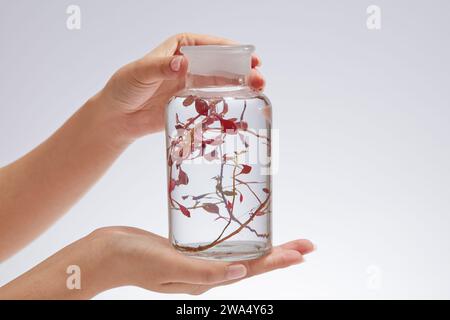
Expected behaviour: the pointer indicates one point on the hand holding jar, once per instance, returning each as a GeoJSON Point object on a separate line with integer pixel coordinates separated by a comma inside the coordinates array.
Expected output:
{"type": "Point", "coordinates": [131, 105]}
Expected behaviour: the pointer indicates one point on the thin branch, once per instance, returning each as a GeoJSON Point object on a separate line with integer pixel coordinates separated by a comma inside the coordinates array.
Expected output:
{"type": "Point", "coordinates": [216, 242]}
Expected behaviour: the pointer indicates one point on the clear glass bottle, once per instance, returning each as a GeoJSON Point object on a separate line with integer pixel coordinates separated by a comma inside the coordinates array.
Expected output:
{"type": "Point", "coordinates": [218, 134]}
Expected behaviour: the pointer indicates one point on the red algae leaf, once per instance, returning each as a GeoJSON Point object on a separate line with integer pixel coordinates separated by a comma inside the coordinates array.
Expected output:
{"type": "Point", "coordinates": [242, 125]}
{"type": "Point", "coordinates": [188, 101]}
{"type": "Point", "coordinates": [228, 126]}
{"type": "Point", "coordinates": [245, 169]}
{"type": "Point", "coordinates": [185, 211]}
{"type": "Point", "coordinates": [229, 205]}
{"type": "Point", "coordinates": [217, 140]}
{"type": "Point", "coordinates": [172, 184]}
{"type": "Point", "coordinates": [266, 190]}
{"type": "Point", "coordinates": [208, 141]}
{"type": "Point", "coordinates": [209, 120]}
{"type": "Point", "coordinates": [201, 106]}
{"type": "Point", "coordinates": [211, 207]}
{"type": "Point", "coordinates": [183, 177]}
{"type": "Point", "coordinates": [229, 193]}
{"type": "Point", "coordinates": [241, 198]}
{"type": "Point", "coordinates": [211, 156]}
{"type": "Point", "coordinates": [195, 198]}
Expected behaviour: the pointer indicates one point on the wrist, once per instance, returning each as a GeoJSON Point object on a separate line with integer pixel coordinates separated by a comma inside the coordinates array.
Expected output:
{"type": "Point", "coordinates": [79, 271]}
{"type": "Point", "coordinates": [100, 274]}
{"type": "Point", "coordinates": [108, 245]}
{"type": "Point", "coordinates": [108, 123]}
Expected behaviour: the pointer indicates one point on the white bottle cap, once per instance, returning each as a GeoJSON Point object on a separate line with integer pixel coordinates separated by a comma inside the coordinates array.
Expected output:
{"type": "Point", "coordinates": [216, 60]}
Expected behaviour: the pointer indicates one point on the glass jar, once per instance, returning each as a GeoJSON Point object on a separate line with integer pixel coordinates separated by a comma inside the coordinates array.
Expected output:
{"type": "Point", "coordinates": [218, 134]}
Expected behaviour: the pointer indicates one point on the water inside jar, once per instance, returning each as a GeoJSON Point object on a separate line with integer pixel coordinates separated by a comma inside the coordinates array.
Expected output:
{"type": "Point", "coordinates": [219, 182]}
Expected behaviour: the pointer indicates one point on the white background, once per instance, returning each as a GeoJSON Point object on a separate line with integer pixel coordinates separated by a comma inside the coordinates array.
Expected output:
{"type": "Point", "coordinates": [363, 118]}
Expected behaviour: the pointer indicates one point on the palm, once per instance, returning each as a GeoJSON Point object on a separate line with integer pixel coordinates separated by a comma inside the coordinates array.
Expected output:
{"type": "Point", "coordinates": [159, 267]}
{"type": "Point", "coordinates": [152, 113]}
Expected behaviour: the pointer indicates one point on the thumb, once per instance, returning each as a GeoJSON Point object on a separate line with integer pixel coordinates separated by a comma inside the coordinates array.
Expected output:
{"type": "Point", "coordinates": [153, 69]}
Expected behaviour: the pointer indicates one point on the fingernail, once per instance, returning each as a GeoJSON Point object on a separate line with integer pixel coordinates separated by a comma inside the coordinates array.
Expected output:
{"type": "Point", "coordinates": [258, 61]}
{"type": "Point", "coordinates": [175, 64]}
{"type": "Point", "coordinates": [314, 247]}
{"type": "Point", "coordinates": [236, 271]}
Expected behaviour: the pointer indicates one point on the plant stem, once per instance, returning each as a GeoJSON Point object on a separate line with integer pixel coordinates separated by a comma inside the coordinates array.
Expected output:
{"type": "Point", "coordinates": [218, 241]}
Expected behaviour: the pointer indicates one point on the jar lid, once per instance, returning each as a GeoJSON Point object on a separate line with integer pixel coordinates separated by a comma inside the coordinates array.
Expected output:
{"type": "Point", "coordinates": [219, 60]}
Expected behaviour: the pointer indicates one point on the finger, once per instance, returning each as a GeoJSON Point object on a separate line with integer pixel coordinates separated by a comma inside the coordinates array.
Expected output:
{"type": "Point", "coordinates": [173, 44]}
{"type": "Point", "coordinates": [279, 258]}
{"type": "Point", "coordinates": [194, 39]}
{"type": "Point", "coordinates": [197, 271]}
{"type": "Point", "coordinates": [256, 61]}
{"type": "Point", "coordinates": [151, 69]}
{"type": "Point", "coordinates": [283, 256]}
{"type": "Point", "coordinates": [256, 80]}
{"type": "Point", "coordinates": [303, 246]}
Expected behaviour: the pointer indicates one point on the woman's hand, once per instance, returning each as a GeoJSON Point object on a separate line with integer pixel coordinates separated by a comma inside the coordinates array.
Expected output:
{"type": "Point", "coordinates": [119, 256]}
{"type": "Point", "coordinates": [149, 261]}
{"type": "Point", "coordinates": [140, 90]}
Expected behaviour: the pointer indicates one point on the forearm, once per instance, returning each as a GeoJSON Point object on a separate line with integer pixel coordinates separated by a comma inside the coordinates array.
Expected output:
{"type": "Point", "coordinates": [53, 279]}
{"type": "Point", "coordinates": [39, 187]}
